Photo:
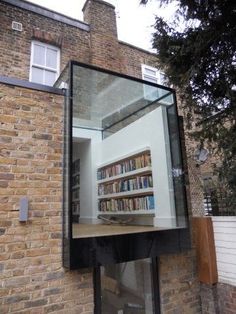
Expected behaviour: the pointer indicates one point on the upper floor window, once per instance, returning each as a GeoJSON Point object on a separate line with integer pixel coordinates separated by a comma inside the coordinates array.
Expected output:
{"type": "Point", "coordinates": [44, 64]}
{"type": "Point", "coordinates": [152, 74]}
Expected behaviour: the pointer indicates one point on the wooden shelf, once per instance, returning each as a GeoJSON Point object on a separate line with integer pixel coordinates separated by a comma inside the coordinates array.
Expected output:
{"type": "Point", "coordinates": [124, 157]}
{"type": "Point", "coordinates": [145, 170]}
{"type": "Point", "coordinates": [132, 193]}
{"type": "Point", "coordinates": [131, 212]}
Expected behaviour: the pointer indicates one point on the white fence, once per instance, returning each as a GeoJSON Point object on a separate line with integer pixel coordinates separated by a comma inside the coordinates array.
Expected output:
{"type": "Point", "coordinates": [225, 243]}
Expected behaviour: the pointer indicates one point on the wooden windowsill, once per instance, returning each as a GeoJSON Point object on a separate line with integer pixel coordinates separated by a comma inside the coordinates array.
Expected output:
{"type": "Point", "coordinates": [100, 230]}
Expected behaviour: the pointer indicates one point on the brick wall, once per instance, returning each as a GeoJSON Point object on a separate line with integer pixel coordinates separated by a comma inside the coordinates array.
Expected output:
{"type": "Point", "coordinates": [98, 47]}
{"type": "Point", "coordinates": [226, 298]}
{"type": "Point", "coordinates": [209, 299]}
{"type": "Point", "coordinates": [15, 47]}
{"type": "Point", "coordinates": [32, 277]}
{"type": "Point", "coordinates": [180, 290]}
{"type": "Point", "coordinates": [132, 58]}
{"type": "Point", "coordinates": [195, 186]}
{"type": "Point", "coordinates": [104, 47]}
{"type": "Point", "coordinates": [218, 299]}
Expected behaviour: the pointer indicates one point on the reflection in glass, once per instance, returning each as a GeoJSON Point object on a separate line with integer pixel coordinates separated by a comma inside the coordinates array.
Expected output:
{"type": "Point", "coordinates": [127, 288]}
{"type": "Point", "coordinates": [177, 166]}
{"type": "Point", "coordinates": [66, 182]}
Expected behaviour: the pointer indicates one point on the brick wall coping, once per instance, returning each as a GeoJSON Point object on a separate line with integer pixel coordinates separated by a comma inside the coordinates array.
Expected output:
{"type": "Point", "coordinates": [99, 1]}
{"type": "Point", "coordinates": [136, 47]}
{"type": "Point", "coordinates": [48, 13]}
{"type": "Point", "coordinates": [26, 84]}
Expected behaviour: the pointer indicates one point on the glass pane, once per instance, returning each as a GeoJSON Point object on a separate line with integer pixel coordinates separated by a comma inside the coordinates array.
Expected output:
{"type": "Point", "coordinates": [50, 78]}
{"type": "Point", "coordinates": [177, 166]}
{"type": "Point", "coordinates": [150, 72]}
{"type": "Point", "coordinates": [150, 79]}
{"type": "Point", "coordinates": [123, 169]}
{"type": "Point", "coordinates": [101, 100]}
{"type": "Point", "coordinates": [162, 78]}
{"type": "Point", "coordinates": [51, 58]}
{"type": "Point", "coordinates": [126, 288]}
{"type": "Point", "coordinates": [39, 55]}
{"type": "Point", "coordinates": [37, 75]}
{"type": "Point", "coordinates": [66, 180]}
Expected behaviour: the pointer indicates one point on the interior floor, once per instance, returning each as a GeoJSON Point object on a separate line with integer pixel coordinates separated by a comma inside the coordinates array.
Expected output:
{"type": "Point", "coordinates": [97, 230]}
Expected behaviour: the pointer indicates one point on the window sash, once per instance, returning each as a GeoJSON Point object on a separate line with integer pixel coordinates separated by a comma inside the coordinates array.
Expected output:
{"type": "Point", "coordinates": [42, 62]}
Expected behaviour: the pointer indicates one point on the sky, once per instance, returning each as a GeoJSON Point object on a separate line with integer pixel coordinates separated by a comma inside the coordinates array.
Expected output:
{"type": "Point", "coordinates": [134, 21]}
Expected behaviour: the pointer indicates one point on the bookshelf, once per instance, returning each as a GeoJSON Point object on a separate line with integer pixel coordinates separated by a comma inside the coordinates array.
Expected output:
{"type": "Point", "coordinates": [125, 185]}
{"type": "Point", "coordinates": [76, 190]}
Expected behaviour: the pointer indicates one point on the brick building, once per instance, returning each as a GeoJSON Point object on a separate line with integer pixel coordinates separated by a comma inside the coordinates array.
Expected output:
{"type": "Point", "coordinates": [36, 45]}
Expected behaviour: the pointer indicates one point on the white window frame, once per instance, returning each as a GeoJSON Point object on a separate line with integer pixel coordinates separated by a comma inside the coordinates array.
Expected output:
{"type": "Point", "coordinates": [157, 76]}
{"type": "Point", "coordinates": [39, 66]}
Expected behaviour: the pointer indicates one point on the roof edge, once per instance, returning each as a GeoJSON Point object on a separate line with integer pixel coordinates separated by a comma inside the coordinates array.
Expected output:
{"type": "Point", "coordinates": [35, 8]}
{"type": "Point", "coordinates": [29, 85]}
{"type": "Point", "coordinates": [136, 47]}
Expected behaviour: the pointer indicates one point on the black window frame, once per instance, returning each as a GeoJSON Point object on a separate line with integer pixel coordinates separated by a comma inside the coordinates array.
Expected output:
{"type": "Point", "coordinates": [89, 252]}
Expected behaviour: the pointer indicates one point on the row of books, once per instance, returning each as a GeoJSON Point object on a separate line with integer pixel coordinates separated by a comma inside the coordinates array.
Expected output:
{"type": "Point", "coordinates": [140, 182]}
{"type": "Point", "coordinates": [131, 164]}
{"type": "Point", "coordinates": [127, 204]}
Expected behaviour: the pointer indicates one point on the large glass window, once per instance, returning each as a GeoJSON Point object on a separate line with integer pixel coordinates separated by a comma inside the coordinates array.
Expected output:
{"type": "Point", "coordinates": [45, 63]}
{"type": "Point", "coordinates": [124, 158]}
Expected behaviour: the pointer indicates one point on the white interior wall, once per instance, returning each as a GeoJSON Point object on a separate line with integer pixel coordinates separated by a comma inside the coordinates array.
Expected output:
{"type": "Point", "coordinates": [88, 152]}
{"type": "Point", "coordinates": [148, 131]}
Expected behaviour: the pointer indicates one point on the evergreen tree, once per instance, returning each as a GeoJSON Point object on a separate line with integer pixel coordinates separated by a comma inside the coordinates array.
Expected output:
{"type": "Point", "coordinates": [200, 61]}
